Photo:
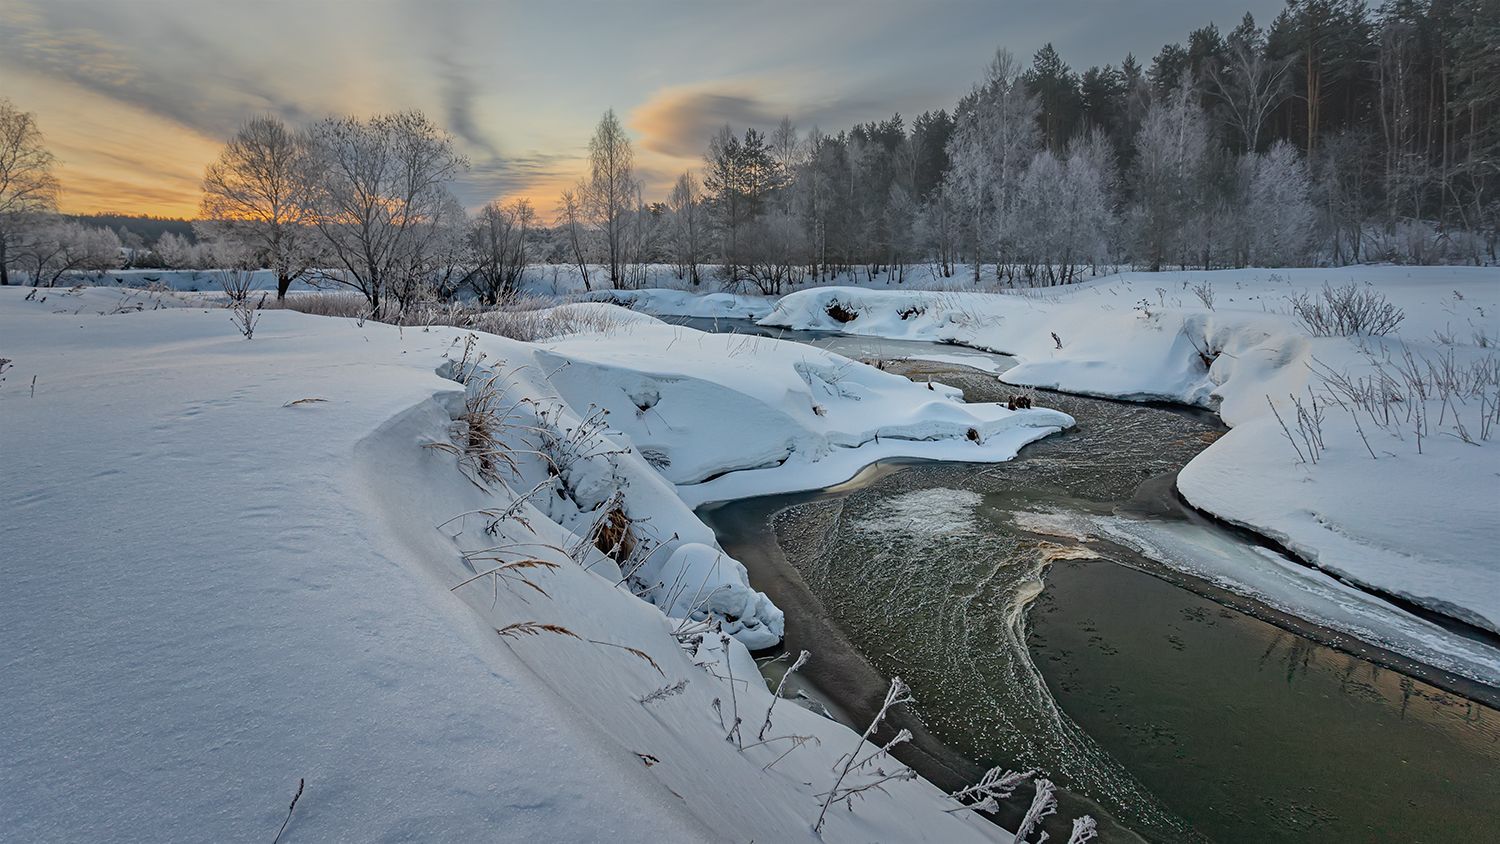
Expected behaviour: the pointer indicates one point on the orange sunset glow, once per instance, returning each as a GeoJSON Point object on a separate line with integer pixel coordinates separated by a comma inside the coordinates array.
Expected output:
{"type": "Point", "coordinates": [135, 96]}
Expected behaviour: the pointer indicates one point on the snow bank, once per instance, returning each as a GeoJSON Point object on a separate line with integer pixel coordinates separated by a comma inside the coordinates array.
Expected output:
{"type": "Point", "coordinates": [726, 416]}
{"type": "Point", "coordinates": [1422, 527]}
{"type": "Point", "coordinates": [97, 301]}
{"type": "Point", "coordinates": [232, 565]}
{"type": "Point", "coordinates": [683, 303]}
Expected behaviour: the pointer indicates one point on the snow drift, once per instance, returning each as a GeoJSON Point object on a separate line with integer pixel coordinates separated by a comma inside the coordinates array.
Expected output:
{"type": "Point", "coordinates": [233, 566]}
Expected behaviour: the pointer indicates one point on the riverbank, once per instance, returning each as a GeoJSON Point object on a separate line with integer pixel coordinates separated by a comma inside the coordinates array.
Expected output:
{"type": "Point", "coordinates": [1370, 501]}
{"type": "Point", "coordinates": [1262, 573]}
{"type": "Point", "coordinates": [951, 702]}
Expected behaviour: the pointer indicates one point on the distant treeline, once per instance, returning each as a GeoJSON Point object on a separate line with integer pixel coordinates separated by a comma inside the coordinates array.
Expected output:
{"type": "Point", "coordinates": [138, 231]}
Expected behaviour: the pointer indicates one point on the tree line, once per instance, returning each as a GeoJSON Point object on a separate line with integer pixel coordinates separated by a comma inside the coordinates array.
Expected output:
{"type": "Point", "coordinates": [1336, 134]}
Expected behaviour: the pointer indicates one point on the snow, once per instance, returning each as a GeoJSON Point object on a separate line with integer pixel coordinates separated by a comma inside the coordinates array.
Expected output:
{"type": "Point", "coordinates": [232, 564]}
{"type": "Point", "coordinates": [1294, 588]}
{"type": "Point", "coordinates": [1421, 527]}
{"type": "Point", "coordinates": [665, 302]}
{"type": "Point", "coordinates": [727, 416]}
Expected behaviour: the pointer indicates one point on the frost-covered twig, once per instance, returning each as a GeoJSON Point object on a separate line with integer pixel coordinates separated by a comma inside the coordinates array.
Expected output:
{"type": "Point", "coordinates": [1084, 830]}
{"type": "Point", "coordinates": [797, 741]}
{"type": "Point", "coordinates": [766, 725]}
{"type": "Point", "coordinates": [1044, 803]}
{"type": "Point", "coordinates": [1286, 431]}
{"type": "Point", "coordinates": [734, 729]}
{"type": "Point", "coordinates": [996, 785]}
{"type": "Point", "coordinates": [664, 692]}
{"type": "Point", "coordinates": [898, 693]}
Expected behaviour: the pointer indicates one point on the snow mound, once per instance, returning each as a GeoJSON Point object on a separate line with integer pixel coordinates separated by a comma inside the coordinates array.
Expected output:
{"type": "Point", "coordinates": [682, 303]}
{"type": "Point", "coordinates": [724, 416]}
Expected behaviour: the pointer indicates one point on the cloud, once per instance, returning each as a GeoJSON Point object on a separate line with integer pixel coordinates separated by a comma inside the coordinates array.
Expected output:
{"type": "Point", "coordinates": [197, 83]}
{"type": "Point", "coordinates": [679, 121]}
{"type": "Point", "coordinates": [535, 175]}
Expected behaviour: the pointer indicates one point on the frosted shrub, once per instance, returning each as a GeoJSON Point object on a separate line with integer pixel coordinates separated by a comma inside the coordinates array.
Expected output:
{"type": "Point", "coordinates": [1351, 309]}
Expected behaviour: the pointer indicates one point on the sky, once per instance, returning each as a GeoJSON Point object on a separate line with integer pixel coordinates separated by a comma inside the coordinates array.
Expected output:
{"type": "Point", "coordinates": [136, 97]}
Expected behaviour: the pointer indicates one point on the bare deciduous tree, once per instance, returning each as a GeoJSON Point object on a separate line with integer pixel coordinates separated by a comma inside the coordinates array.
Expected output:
{"type": "Point", "coordinates": [688, 225]}
{"type": "Point", "coordinates": [609, 192]}
{"type": "Point", "coordinates": [379, 199]}
{"type": "Point", "coordinates": [1249, 86]}
{"type": "Point", "coordinates": [570, 220]}
{"type": "Point", "coordinates": [497, 239]}
{"type": "Point", "coordinates": [27, 187]}
{"type": "Point", "coordinates": [257, 195]}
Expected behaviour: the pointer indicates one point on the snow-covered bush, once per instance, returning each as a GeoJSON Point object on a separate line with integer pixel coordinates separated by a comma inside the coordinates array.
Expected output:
{"type": "Point", "coordinates": [1347, 310]}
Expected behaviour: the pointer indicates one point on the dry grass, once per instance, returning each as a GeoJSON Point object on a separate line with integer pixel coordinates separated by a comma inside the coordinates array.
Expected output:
{"type": "Point", "coordinates": [840, 312]}
{"type": "Point", "coordinates": [324, 303]}
{"type": "Point", "coordinates": [635, 652]}
{"type": "Point", "coordinates": [519, 319]}
{"type": "Point", "coordinates": [613, 536]}
{"type": "Point", "coordinates": [535, 628]}
{"type": "Point", "coordinates": [511, 572]}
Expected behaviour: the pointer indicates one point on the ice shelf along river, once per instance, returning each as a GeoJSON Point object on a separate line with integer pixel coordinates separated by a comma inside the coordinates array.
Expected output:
{"type": "Point", "coordinates": [1035, 634]}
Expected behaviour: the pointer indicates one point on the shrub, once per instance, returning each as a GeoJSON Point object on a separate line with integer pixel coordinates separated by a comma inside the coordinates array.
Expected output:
{"type": "Point", "coordinates": [1345, 311]}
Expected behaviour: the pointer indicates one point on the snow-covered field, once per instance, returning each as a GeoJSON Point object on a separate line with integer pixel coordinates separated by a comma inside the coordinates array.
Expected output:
{"type": "Point", "coordinates": [407, 567]}
{"type": "Point", "coordinates": [1416, 519]}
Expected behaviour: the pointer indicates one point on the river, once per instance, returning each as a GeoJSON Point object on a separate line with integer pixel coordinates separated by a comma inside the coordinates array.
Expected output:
{"type": "Point", "coordinates": [1166, 706]}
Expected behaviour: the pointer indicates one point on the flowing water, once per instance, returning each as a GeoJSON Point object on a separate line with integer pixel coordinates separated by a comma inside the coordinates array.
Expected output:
{"type": "Point", "coordinates": [1164, 706]}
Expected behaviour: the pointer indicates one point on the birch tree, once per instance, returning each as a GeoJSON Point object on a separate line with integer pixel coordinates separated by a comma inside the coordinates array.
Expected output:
{"type": "Point", "coordinates": [1172, 150]}
{"type": "Point", "coordinates": [609, 191]}
{"type": "Point", "coordinates": [1250, 85]}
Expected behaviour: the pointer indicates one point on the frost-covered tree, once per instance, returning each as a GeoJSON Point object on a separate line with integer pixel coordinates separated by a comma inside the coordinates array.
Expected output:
{"type": "Point", "coordinates": [257, 195]}
{"type": "Point", "coordinates": [1038, 213]}
{"type": "Point", "coordinates": [28, 189]}
{"type": "Point", "coordinates": [1279, 213]}
{"type": "Point", "coordinates": [940, 230]}
{"type": "Point", "coordinates": [903, 226]}
{"type": "Point", "coordinates": [56, 247]}
{"type": "Point", "coordinates": [1171, 161]}
{"type": "Point", "coordinates": [609, 192]}
{"type": "Point", "coordinates": [380, 200]}
{"type": "Point", "coordinates": [687, 227]}
{"type": "Point", "coordinates": [1088, 221]}
{"type": "Point", "coordinates": [774, 251]}
{"type": "Point", "coordinates": [178, 253]}
{"type": "Point", "coordinates": [994, 138]}
{"type": "Point", "coordinates": [498, 248]}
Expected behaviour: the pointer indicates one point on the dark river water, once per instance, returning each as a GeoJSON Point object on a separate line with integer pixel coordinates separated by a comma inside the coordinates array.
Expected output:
{"type": "Point", "coordinates": [1165, 707]}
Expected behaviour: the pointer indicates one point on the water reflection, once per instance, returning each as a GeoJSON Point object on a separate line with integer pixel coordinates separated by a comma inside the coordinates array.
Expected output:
{"type": "Point", "coordinates": [1183, 717]}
